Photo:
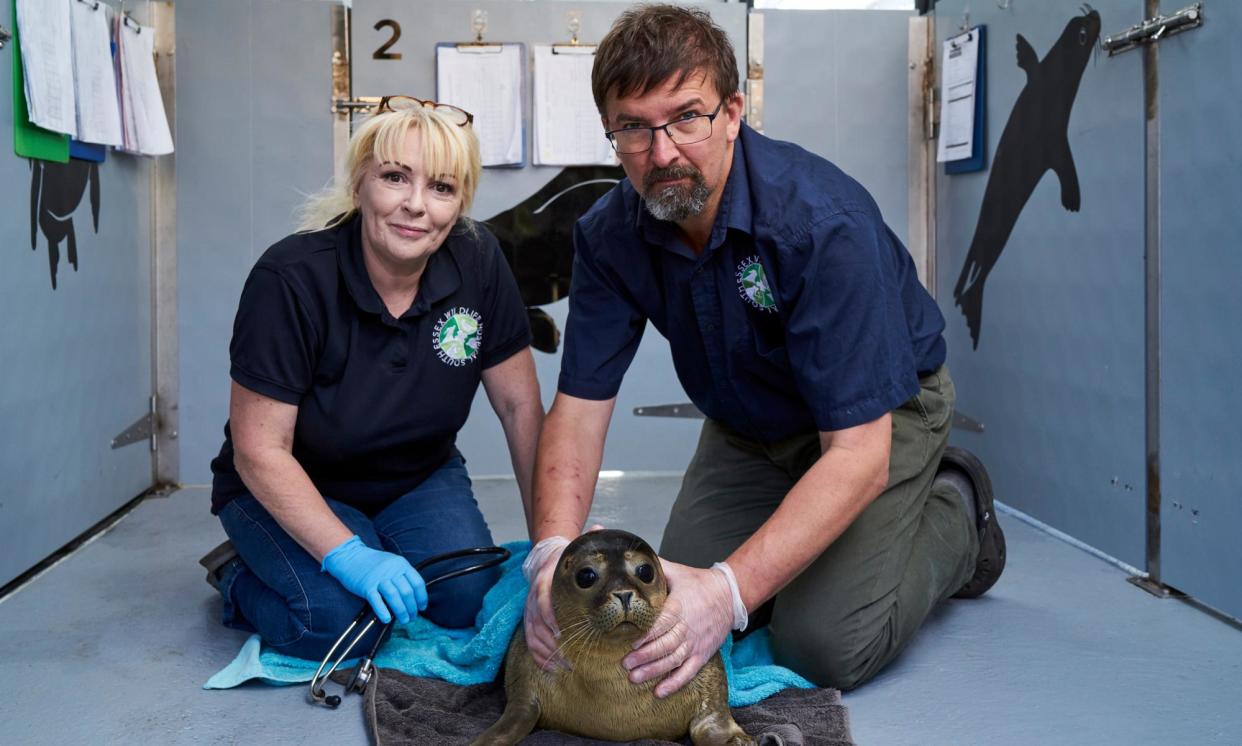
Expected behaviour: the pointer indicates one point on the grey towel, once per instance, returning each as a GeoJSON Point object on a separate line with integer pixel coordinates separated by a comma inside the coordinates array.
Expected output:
{"type": "Point", "coordinates": [402, 709]}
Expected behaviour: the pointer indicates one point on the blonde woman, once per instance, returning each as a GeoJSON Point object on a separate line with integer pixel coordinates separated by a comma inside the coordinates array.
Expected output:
{"type": "Point", "coordinates": [358, 346]}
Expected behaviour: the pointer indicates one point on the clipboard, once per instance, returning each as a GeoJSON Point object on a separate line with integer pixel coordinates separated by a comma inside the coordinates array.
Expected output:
{"type": "Point", "coordinates": [488, 79]}
{"type": "Point", "coordinates": [29, 140]}
{"type": "Point", "coordinates": [567, 128]}
{"type": "Point", "coordinates": [978, 150]}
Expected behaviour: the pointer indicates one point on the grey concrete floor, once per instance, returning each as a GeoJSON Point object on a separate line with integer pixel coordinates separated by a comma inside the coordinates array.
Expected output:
{"type": "Point", "coordinates": [113, 644]}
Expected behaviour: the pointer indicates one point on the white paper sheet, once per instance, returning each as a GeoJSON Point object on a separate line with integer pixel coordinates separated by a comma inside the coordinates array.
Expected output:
{"type": "Point", "coordinates": [568, 131]}
{"type": "Point", "coordinates": [47, 61]}
{"type": "Point", "coordinates": [487, 82]}
{"type": "Point", "coordinates": [957, 97]}
{"type": "Point", "coordinates": [144, 123]}
{"type": "Point", "coordinates": [94, 78]}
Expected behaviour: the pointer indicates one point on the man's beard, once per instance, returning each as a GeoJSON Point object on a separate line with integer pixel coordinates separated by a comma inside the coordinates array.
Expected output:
{"type": "Point", "coordinates": [675, 202]}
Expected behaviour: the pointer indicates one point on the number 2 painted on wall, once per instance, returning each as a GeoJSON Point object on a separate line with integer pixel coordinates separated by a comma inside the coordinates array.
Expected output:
{"type": "Point", "coordinates": [382, 53]}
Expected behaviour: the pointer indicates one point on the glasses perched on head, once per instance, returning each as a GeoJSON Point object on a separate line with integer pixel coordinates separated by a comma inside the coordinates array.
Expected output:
{"type": "Point", "coordinates": [685, 130]}
{"type": "Point", "coordinates": [457, 116]}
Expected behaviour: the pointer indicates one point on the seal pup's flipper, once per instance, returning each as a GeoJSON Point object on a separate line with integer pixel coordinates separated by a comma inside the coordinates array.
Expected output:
{"type": "Point", "coordinates": [1063, 167]}
{"type": "Point", "coordinates": [1027, 59]}
{"type": "Point", "coordinates": [518, 720]}
{"type": "Point", "coordinates": [718, 729]}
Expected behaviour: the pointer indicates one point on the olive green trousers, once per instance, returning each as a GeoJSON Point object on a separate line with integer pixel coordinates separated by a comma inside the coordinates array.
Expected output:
{"type": "Point", "coordinates": [857, 605]}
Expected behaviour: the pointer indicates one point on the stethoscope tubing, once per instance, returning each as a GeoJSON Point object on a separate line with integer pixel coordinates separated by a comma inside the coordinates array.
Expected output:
{"type": "Point", "coordinates": [365, 667]}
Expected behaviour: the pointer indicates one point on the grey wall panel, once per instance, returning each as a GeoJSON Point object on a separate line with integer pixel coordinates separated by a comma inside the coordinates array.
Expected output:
{"type": "Point", "coordinates": [835, 83]}
{"type": "Point", "coordinates": [634, 443]}
{"type": "Point", "coordinates": [1057, 379]}
{"type": "Point", "coordinates": [254, 136]}
{"type": "Point", "coordinates": [1201, 433]}
{"type": "Point", "coordinates": [77, 359]}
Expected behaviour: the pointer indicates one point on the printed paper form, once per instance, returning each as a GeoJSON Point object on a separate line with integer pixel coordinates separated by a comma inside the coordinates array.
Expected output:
{"type": "Point", "coordinates": [94, 78]}
{"type": "Point", "coordinates": [488, 84]}
{"type": "Point", "coordinates": [47, 59]}
{"type": "Point", "coordinates": [568, 131]}
{"type": "Point", "coordinates": [957, 97]}
{"type": "Point", "coordinates": [144, 123]}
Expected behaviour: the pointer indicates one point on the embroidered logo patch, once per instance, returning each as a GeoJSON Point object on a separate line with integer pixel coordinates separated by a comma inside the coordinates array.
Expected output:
{"type": "Point", "coordinates": [752, 284]}
{"type": "Point", "coordinates": [457, 336]}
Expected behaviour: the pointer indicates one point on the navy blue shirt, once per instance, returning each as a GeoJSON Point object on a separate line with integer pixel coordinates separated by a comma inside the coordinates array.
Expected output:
{"type": "Point", "coordinates": [380, 400]}
{"type": "Point", "coordinates": [804, 311]}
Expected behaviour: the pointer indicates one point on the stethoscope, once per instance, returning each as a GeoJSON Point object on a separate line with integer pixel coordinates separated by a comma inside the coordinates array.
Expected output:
{"type": "Point", "coordinates": [366, 669]}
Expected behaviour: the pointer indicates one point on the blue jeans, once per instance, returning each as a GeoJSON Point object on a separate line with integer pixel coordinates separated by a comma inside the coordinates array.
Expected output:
{"type": "Point", "coordinates": [279, 591]}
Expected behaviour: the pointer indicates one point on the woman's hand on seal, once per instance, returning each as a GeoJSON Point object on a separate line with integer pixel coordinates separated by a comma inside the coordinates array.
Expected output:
{"type": "Point", "coordinates": [696, 617]}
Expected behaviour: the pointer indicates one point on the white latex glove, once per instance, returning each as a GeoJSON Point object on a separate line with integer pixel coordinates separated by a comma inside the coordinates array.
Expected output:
{"type": "Point", "coordinates": [696, 617]}
{"type": "Point", "coordinates": [542, 632]}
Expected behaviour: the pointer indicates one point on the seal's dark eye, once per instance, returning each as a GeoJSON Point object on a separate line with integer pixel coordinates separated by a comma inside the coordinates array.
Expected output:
{"type": "Point", "coordinates": [645, 573]}
{"type": "Point", "coordinates": [586, 578]}
{"type": "Point", "coordinates": [1082, 36]}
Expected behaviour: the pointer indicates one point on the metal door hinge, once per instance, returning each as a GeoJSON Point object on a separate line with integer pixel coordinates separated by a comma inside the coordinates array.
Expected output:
{"type": "Point", "coordinates": [1154, 29]}
{"type": "Point", "coordinates": [143, 429]}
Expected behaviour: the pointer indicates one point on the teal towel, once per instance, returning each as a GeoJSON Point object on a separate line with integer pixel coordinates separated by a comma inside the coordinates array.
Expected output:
{"type": "Point", "coordinates": [473, 656]}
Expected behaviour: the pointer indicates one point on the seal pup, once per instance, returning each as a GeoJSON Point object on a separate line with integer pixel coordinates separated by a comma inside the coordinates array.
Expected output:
{"type": "Point", "coordinates": [1035, 139]}
{"type": "Point", "coordinates": [607, 591]}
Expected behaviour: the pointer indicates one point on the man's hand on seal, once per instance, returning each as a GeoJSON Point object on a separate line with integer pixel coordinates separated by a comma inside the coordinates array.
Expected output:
{"type": "Point", "coordinates": [538, 619]}
{"type": "Point", "coordinates": [697, 616]}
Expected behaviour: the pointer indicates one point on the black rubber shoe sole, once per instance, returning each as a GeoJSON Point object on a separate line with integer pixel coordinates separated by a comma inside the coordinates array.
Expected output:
{"type": "Point", "coordinates": [991, 561]}
{"type": "Point", "coordinates": [216, 559]}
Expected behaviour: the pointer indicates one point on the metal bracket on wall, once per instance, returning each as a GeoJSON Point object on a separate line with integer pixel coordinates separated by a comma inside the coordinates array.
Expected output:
{"type": "Point", "coordinates": [689, 411]}
{"type": "Point", "coordinates": [686, 410]}
{"type": "Point", "coordinates": [1159, 590]}
{"type": "Point", "coordinates": [342, 88]}
{"type": "Point", "coordinates": [754, 71]}
{"type": "Point", "coordinates": [143, 429]}
{"type": "Point", "coordinates": [1154, 29]}
{"type": "Point", "coordinates": [962, 422]}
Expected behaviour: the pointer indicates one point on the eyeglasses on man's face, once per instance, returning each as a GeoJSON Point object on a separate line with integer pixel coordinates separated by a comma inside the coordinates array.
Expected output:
{"type": "Point", "coordinates": [457, 116]}
{"type": "Point", "coordinates": [684, 130]}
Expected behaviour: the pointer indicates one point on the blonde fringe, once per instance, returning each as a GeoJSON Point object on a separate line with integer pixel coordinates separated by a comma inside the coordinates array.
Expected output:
{"type": "Point", "coordinates": [447, 149]}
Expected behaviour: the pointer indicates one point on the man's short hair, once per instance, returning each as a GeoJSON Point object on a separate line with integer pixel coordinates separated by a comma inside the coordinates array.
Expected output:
{"type": "Point", "coordinates": [651, 44]}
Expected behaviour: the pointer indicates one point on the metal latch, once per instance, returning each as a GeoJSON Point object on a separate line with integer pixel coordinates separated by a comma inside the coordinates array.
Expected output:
{"type": "Point", "coordinates": [687, 410]}
{"type": "Point", "coordinates": [143, 429]}
{"type": "Point", "coordinates": [361, 103]}
{"type": "Point", "coordinates": [1154, 29]}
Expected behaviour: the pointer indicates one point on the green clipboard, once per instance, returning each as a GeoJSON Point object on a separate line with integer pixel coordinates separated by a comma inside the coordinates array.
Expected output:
{"type": "Point", "coordinates": [30, 141]}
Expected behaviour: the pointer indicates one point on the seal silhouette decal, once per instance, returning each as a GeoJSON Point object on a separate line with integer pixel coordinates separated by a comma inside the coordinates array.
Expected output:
{"type": "Point", "coordinates": [56, 190]}
{"type": "Point", "coordinates": [537, 238]}
{"type": "Point", "coordinates": [1034, 141]}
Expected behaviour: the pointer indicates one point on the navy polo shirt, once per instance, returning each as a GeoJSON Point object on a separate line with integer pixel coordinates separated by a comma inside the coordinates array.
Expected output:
{"type": "Point", "coordinates": [380, 400]}
{"type": "Point", "coordinates": [804, 311]}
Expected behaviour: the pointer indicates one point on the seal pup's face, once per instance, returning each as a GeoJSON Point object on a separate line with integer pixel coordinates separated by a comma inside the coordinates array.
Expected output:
{"type": "Point", "coordinates": [609, 586]}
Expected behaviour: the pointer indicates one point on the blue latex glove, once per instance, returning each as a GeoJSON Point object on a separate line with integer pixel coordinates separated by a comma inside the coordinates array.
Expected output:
{"type": "Point", "coordinates": [387, 581]}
